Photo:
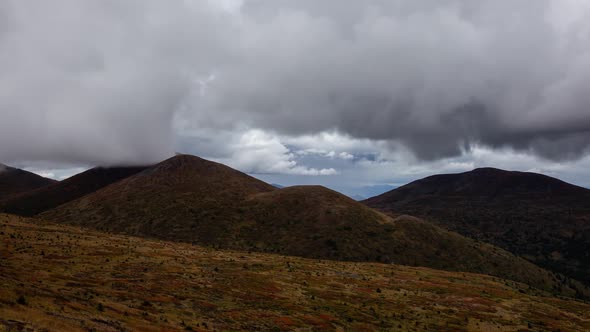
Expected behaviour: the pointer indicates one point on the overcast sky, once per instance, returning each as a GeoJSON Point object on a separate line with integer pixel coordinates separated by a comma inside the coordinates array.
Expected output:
{"type": "Point", "coordinates": [351, 94]}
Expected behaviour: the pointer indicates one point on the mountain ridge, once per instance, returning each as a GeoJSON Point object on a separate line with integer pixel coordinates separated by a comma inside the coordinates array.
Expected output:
{"type": "Point", "coordinates": [38, 200]}
{"type": "Point", "coordinates": [14, 181]}
{"type": "Point", "coordinates": [189, 199]}
{"type": "Point", "coordinates": [536, 216]}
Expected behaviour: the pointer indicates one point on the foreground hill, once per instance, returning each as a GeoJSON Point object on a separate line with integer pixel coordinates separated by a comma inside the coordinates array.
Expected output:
{"type": "Point", "coordinates": [536, 216]}
{"type": "Point", "coordinates": [15, 181]}
{"type": "Point", "coordinates": [58, 193]}
{"type": "Point", "coordinates": [193, 200]}
{"type": "Point", "coordinates": [63, 278]}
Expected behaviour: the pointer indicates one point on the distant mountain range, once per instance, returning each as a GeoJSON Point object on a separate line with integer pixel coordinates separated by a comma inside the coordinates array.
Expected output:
{"type": "Point", "coordinates": [189, 199]}
{"type": "Point", "coordinates": [358, 197]}
{"type": "Point", "coordinates": [541, 218]}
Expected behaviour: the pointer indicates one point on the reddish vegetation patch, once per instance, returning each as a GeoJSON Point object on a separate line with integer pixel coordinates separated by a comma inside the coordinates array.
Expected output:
{"type": "Point", "coordinates": [163, 299]}
{"type": "Point", "coordinates": [327, 317]}
{"type": "Point", "coordinates": [145, 286]}
{"type": "Point", "coordinates": [366, 290]}
{"type": "Point", "coordinates": [318, 321]}
{"type": "Point", "coordinates": [272, 288]}
{"type": "Point", "coordinates": [207, 305]}
{"type": "Point", "coordinates": [284, 321]}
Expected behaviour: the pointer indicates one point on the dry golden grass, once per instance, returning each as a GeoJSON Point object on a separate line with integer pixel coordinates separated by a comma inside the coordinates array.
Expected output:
{"type": "Point", "coordinates": [74, 279]}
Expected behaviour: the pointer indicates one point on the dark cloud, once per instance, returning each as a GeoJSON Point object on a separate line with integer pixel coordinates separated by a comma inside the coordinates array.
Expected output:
{"type": "Point", "coordinates": [111, 82]}
{"type": "Point", "coordinates": [437, 76]}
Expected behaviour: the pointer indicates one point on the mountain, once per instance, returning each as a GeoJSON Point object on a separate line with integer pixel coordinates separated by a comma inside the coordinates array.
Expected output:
{"type": "Point", "coordinates": [193, 200]}
{"type": "Point", "coordinates": [541, 218]}
{"type": "Point", "coordinates": [358, 197]}
{"type": "Point", "coordinates": [58, 193]}
{"type": "Point", "coordinates": [15, 181]}
{"type": "Point", "coordinates": [63, 278]}
{"type": "Point", "coordinates": [183, 198]}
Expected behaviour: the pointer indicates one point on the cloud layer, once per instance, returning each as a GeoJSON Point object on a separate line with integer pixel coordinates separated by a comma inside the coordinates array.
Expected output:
{"type": "Point", "coordinates": [119, 82]}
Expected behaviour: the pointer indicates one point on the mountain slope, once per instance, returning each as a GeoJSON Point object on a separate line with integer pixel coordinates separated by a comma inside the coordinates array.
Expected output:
{"type": "Point", "coordinates": [193, 200]}
{"type": "Point", "coordinates": [14, 181]}
{"type": "Point", "coordinates": [58, 193]}
{"type": "Point", "coordinates": [183, 198]}
{"type": "Point", "coordinates": [533, 215]}
{"type": "Point", "coordinates": [63, 278]}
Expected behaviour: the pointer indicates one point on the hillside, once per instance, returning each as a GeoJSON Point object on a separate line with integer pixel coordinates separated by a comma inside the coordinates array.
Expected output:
{"type": "Point", "coordinates": [63, 278]}
{"type": "Point", "coordinates": [189, 199]}
{"type": "Point", "coordinates": [58, 193]}
{"type": "Point", "coordinates": [183, 198]}
{"type": "Point", "coordinates": [536, 216]}
{"type": "Point", "coordinates": [14, 181]}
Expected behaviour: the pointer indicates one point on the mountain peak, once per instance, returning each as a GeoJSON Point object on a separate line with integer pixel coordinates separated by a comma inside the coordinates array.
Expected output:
{"type": "Point", "coordinates": [185, 161]}
{"type": "Point", "coordinates": [491, 182]}
{"type": "Point", "coordinates": [488, 170]}
{"type": "Point", "coordinates": [526, 213]}
{"type": "Point", "coordinates": [185, 158]}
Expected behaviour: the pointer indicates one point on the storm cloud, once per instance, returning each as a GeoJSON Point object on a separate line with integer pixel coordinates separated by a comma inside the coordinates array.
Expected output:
{"type": "Point", "coordinates": [119, 81]}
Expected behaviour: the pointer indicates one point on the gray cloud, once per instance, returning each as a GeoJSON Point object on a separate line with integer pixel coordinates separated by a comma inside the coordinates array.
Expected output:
{"type": "Point", "coordinates": [438, 76]}
{"type": "Point", "coordinates": [111, 81]}
{"type": "Point", "coordinates": [94, 82]}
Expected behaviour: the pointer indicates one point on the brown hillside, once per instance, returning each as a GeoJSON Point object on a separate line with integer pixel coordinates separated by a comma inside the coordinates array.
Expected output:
{"type": "Point", "coordinates": [532, 215]}
{"type": "Point", "coordinates": [14, 181]}
{"type": "Point", "coordinates": [58, 193]}
{"type": "Point", "coordinates": [62, 278]}
{"type": "Point", "coordinates": [184, 198]}
{"type": "Point", "coordinates": [193, 200]}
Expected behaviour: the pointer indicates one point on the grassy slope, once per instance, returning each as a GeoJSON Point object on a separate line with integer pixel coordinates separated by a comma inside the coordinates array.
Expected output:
{"type": "Point", "coordinates": [75, 280]}
{"type": "Point", "coordinates": [184, 198]}
{"type": "Point", "coordinates": [193, 200]}
{"type": "Point", "coordinates": [532, 215]}
{"type": "Point", "coordinates": [15, 181]}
